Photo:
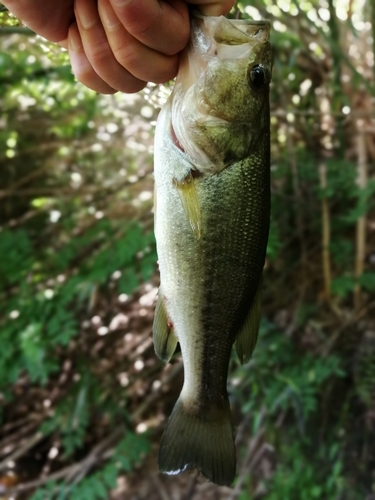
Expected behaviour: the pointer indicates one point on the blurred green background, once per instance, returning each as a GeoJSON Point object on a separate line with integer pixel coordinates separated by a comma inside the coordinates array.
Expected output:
{"type": "Point", "coordinates": [83, 398]}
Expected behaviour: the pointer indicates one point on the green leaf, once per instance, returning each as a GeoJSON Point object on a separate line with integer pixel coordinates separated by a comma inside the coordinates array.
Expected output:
{"type": "Point", "coordinates": [110, 473]}
{"type": "Point", "coordinates": [367, 280]}
{"type": "Point", "coordinates": [342, 285]}
{"type": "Point", "coordinates": [128, 281]}
{"type": "Point", "coordinates": [16, 250]}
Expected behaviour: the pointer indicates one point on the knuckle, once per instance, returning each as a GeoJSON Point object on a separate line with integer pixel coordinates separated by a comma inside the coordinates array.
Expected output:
{"type": "Point", "coordinates": [157, 73]}
{"type": "Point", "coordinates": [180, 40]}
{"type": "Point", "coordinates": [133, 87]}
{"type": "Point", "coordinates": [137, 24]}
{"type": "Point", "coordinates": [99, 52]}
{"type": "Point", "coordinates": [126, 57]}
{"type": "Point", "coordinates": [85, 78]}
{"type": "Point", "coordinates": [92, 81]}
{"type": "Point", "coordinates": [165, 74]}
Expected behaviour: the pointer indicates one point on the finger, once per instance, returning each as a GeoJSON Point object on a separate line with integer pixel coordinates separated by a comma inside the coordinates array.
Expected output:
{"type": "Point", "coordinates": [64, 43]}
{"type": "Point", "coordinates": [49, 19]}
{"type": "Point", "coordinates": [142, 62]}
{"type": "Point", "coordinates": [210, 8]}
{"type": "Point", "coordinates": [99, 52]}
{"type": "Point", "coordinates": [160, 25]}
{"type": "Point", "coordinates": [81, 66]}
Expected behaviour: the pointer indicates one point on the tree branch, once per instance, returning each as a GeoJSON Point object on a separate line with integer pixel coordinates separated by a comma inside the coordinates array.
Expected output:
{"type": "Point", "coordinates": [74, 470]}
{"type": "Point", "coordinates": [16, 30]}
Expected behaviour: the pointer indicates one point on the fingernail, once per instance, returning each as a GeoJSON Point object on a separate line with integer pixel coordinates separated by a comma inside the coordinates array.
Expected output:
{"type": "Point", "coordinates": [109, 18]}
{"type": "Point", "coordinates": [87, 17]}
{"type": "Point", "coordinates": [74, 40]}
{"type": "Point", "coordinates": [120, 3]}
{"type": "Point", "coordinates": [79, 62]}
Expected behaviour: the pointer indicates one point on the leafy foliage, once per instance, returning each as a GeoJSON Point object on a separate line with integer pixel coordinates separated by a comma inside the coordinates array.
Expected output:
{"type": "Point", "coordinates": [40, 318]}
{"type": "Point", "coordinates": [305, 480]}
{"type": "Point", "coordinates": [282, 381]}
{"type": "Point", "coordinates": [283, 384]}
{"type": "Point", "coordinates": [127, 454]}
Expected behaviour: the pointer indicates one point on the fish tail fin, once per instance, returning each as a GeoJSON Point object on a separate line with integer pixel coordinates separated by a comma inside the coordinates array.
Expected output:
{"type": "Point", "coordinates": [199, 439]}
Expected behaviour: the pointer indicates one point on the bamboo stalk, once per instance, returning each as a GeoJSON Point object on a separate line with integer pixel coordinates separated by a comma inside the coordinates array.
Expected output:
{"type": "Point", "coordinates": [326, 233]}
{"type": "Point", "coordinates": [362, 176]}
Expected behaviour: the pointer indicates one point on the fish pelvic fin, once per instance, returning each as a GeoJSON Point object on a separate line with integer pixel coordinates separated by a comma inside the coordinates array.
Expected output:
{"type": "Point", "coordinates": [200, 440]}
{"type": "Point", "coordinates": [165, 341]}
{"type": "Point", "coordinates": [248, 335]}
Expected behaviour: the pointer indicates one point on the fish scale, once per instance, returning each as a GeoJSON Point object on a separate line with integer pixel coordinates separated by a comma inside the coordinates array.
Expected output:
{"type": "Point", "coordinates": [212, 207]}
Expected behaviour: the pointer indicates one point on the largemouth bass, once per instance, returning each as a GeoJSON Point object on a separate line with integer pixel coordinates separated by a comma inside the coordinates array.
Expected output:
{"type": "Point", "coordinates": [212, 209]}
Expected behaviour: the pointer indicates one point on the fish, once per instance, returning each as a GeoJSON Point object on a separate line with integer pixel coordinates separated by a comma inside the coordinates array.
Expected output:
{"type": "Point", "coordinates": [212, 212]}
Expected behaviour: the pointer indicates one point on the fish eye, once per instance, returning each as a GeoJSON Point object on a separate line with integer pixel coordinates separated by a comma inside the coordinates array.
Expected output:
{"type": "Point", "coordinates": [258, 76]}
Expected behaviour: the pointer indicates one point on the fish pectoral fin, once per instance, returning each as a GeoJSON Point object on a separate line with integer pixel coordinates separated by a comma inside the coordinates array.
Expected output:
{"type": "Point", "coordinates": [248, 335]}
{"type": "Point", "coordinates": [189, 199]}
{"type": "Point", "coordinates": [165, 341]}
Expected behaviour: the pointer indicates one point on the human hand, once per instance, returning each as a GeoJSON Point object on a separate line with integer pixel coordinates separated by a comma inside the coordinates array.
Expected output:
{"type": "Point", "coordinates": [123, 44]}
{"type": "Point", "coordinates": [49, 19]}
{"type": "Point", "coordinates": [117, 44]}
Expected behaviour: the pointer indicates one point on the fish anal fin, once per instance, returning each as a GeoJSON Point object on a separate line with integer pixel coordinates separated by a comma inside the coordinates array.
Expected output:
{"type": "Point", "coordinates": [188, 194]}
{"type": "Point", "coordinates": [194, 440]}
{"type": "Point", "coordinates": [248, 335]}
{"type": "Point", "coordinates": [165, 341]}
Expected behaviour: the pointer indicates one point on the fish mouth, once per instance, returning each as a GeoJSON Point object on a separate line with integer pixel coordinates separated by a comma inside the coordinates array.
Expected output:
{"type": "Point", "coordinates": [192, 111]}
{"type": "Point", "coordinates": [196, 14]}
{"type": "Point", "coordinates": [252, 22]}
{"type": "Point", "coordinates": [233, 31]}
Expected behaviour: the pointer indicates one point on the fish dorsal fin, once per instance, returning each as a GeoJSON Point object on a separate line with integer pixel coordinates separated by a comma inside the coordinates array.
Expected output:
{"type": "Point", "coordinates": [165, 341]}
{"type": "Point", "coordinates": [248, 335]}
{"type": "Point", "coordinates": [188, 194]}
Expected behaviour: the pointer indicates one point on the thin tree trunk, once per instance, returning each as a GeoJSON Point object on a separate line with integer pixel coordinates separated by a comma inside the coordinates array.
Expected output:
{"type": "Point", "coordinates": [361, 221]}
{"type": "Point", "coordinates": [326, 233]}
